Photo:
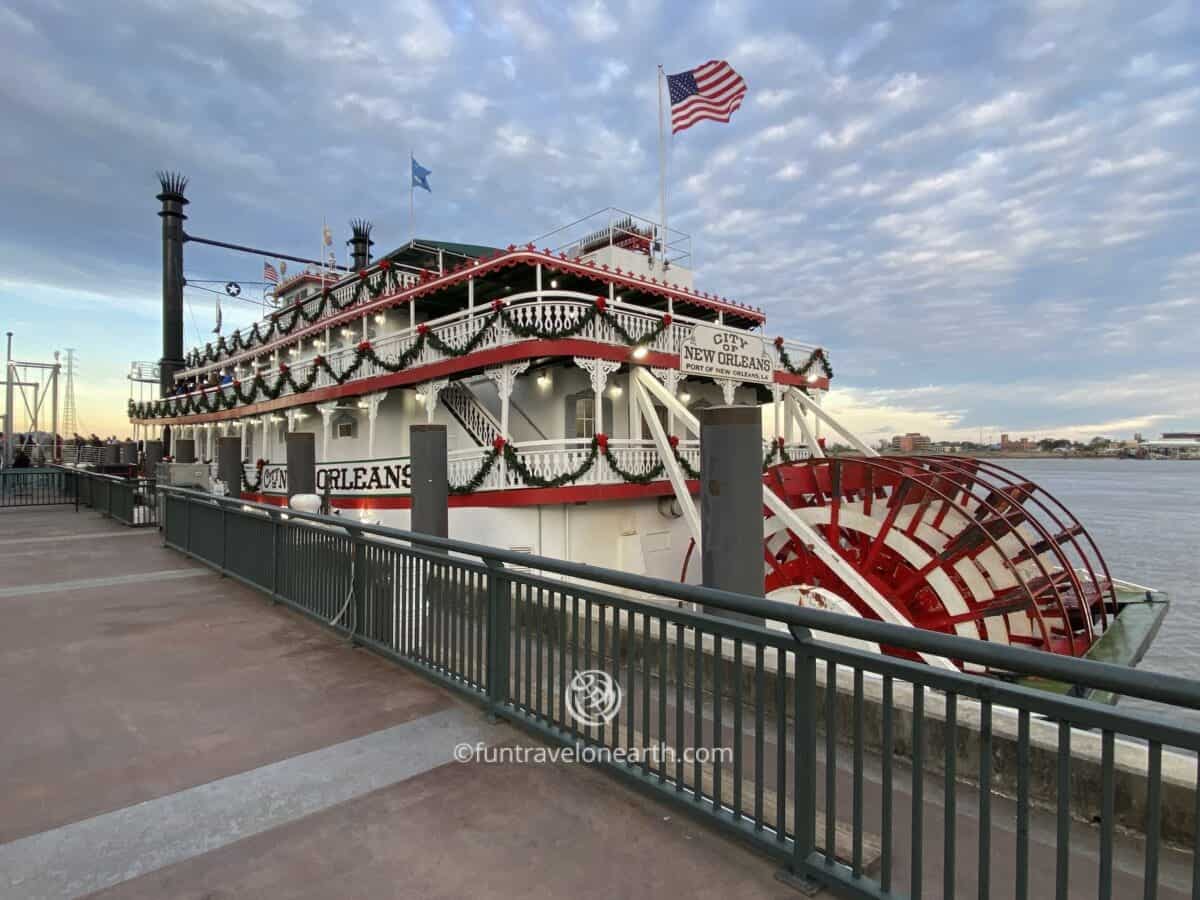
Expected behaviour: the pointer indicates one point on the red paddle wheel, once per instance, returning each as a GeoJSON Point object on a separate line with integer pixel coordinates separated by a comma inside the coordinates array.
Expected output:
{"type": "Point", "coordinates": [961, 546]}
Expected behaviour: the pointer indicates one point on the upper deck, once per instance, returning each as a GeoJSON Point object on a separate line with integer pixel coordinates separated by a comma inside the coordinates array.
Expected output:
{"type": "Point", "coordinates": [433, 310]}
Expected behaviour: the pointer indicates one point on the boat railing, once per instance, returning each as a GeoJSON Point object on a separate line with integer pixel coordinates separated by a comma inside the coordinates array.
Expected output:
{"type": "Point", "coordinates": [556, 458]}
{"type": "Point", "coordinates": [614, 227]}
{"type": "Point", "coordinates": [549, 309]}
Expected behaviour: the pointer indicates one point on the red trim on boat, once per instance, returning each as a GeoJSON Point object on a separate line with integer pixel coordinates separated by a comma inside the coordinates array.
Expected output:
{"type": "Point", "coordinates": [501, 499]}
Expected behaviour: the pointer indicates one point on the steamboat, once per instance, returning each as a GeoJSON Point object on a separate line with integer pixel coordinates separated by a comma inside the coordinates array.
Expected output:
{"type": "Point", "coordinates": [569, 372]}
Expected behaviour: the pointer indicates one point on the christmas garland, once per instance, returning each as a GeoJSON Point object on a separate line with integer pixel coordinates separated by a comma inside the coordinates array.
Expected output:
{"type": "Point", "coordinates": [481, 475]}
{"type": "Point", "coordinates": [254, 486]}
{"type": "Point", "coordinates": [285, 323]}
{"type": "Point", "coordinates": [777, 449]}
{"type": "Point", "coordinates": [259, 388]}
{"type": "Point", "coordinates": [597, 448]}
{"type": "Point", "coordinates": [817, 357]}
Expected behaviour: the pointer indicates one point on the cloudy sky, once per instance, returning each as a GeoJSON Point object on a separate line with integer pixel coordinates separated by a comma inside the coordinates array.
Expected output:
{"type": "Point", "coordinates": [987, 211]}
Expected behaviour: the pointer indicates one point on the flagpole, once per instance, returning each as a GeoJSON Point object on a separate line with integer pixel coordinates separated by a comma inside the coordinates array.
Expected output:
{"type": "Point", "coordinates": [412, 222]}
{"type": "Point", "coordinates": [662, 170]}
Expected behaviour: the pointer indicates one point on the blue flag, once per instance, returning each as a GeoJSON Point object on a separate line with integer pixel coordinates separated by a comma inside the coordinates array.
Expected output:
{"type": "Point", "coordinates": [420, 176]}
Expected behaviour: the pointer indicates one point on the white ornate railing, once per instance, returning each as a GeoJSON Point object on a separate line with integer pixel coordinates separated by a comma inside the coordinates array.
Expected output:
{"type": "Point", "coordinates": [552, 459]}
{"type": "Point", "coordinates": [478, 421]}
{"type": "Point", "coordinates": [553, 311]}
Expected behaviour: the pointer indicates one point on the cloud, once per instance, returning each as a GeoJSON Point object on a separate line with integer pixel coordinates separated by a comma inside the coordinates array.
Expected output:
{"type": "Point", "coordinates": [980, 206]}
{"type": "Point", "coordinates": [592, 20]}
{"type": "Point", "coordinates": [863, 43]}
{"type": "Point", "coordinates": [470, 105]}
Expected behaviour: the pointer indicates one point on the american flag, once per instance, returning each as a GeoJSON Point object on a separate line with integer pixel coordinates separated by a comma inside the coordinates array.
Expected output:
{"type": "Point", "coordinates": [270, 275]}
{"type": "Point", "coordinates": [711, 91]}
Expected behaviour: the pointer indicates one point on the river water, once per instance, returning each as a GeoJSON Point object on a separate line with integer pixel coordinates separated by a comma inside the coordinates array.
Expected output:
{"type": "Point", "coordinates": [1145, 517]}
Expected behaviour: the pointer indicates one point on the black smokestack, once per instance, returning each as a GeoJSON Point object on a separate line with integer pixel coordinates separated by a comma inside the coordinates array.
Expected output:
{"type": "Point", "coordinates": [173, 185]}
{"type": "Point", "coordinates": [360, 244]}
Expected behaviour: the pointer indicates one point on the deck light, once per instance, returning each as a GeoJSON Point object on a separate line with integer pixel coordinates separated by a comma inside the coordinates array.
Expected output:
{"type": "Point", "coordinates": [640, 351]}
{"type": "Point", "coordinates": [813, 379]}
{"type": "Point", "coordinates": [292, 351]}
{"type": "Point", "coordinates": [553, 282]}
{"type": "Point", "coordinates": [685, 397]}
{"type": "Point", "coordinates": [543, 380]}
{"type": "Point", "coordinates": [380, 319]}
{"type": "Point", "coordinates": [615, 390]}
{"type": "Point", "coordinates": [617, 298]}
{"type": "Point", "coordinates": [346, 332]}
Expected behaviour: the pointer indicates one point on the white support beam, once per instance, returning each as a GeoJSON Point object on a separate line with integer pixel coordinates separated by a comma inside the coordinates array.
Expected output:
{"type": "Point", "coordinates": [822, 416]}
{"type": "Point", "coordinates": [670, 401]}
{"type": "Point", "coordinates": [795, 415]}
{"type": "Point", "coordinates": [674, 471]}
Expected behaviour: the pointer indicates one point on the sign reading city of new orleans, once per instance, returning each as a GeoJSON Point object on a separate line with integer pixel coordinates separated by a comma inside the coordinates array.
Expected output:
{"type": "Point", "coordinates": [369, 476]}
{"type": "Point", "coordinates": [723, 353]}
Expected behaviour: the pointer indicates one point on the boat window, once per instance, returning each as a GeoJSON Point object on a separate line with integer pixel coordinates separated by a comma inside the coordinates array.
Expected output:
{"type": "Point", "coordinates": [580, 416]}
{"type": "Point", "coordinates": [585, 417]}
{"type": "Point", "coordinates": [344, 426]}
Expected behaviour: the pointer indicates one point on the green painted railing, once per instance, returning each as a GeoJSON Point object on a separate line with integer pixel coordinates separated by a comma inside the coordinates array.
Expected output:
{"type": "Point", "coordinates": [35, 487]}
{"type": "Point", "coordinates": [131, 501]}
{"type": "Point", "coordinates": [511, 630]}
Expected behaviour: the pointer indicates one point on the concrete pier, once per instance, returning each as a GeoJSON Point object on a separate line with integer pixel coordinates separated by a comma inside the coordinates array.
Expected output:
{"type": "Point", "coordinates": [168, 732]}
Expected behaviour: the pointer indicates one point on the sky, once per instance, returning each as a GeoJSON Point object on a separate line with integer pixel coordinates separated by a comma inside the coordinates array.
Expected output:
{"type": "Point", "coordinates": [986, 211]}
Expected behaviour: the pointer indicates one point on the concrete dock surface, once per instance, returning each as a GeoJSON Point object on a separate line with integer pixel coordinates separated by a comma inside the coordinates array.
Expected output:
{"type": "Point", "coordinates": [169, 732]}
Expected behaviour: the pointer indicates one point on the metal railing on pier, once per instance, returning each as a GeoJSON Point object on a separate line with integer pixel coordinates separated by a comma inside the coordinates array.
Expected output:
{"type": "Point", "coordinates": [840, 797]}
{"type": "Point", "coordinates": [131, 501]}
{"type": "Point", "coordinates": [35, 487]}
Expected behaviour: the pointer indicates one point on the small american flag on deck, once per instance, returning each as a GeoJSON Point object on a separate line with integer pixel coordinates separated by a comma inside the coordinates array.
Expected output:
{"type": "Point", "coordinates": [270, 274]}
{"type": "Point", "coordinates": [711, 91]}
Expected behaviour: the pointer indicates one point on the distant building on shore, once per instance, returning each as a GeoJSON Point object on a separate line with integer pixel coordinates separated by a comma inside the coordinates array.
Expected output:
{"type": "Point", "coordinates": [912, 442]}
{"type": "Point", "coordinates": [1181, 436]}
{"type": "Point", "coordinates": [1007, 443]}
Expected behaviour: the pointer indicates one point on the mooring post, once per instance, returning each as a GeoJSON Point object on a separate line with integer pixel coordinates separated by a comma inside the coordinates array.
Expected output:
{"type": "Point", "coordinates": [152, 454]}
{"type": "Point", "coordinates": [731, 517]}
{"type": "Point", "coordinates": [229, 464]}
{"type": "Point", "coordinates": [430, 512]}
{"type": "Point", "coordinates": [430, 485]}
{"type": "Point", "coordinates": [301, 463]}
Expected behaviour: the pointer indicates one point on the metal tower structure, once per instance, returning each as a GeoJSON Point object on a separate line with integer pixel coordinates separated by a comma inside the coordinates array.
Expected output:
{"type": "Point", "coordinates": [70, 423]}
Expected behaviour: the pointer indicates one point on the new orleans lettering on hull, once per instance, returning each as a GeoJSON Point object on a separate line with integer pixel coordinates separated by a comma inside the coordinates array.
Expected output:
{"type": "Point", "coordinates": [365, 478]}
